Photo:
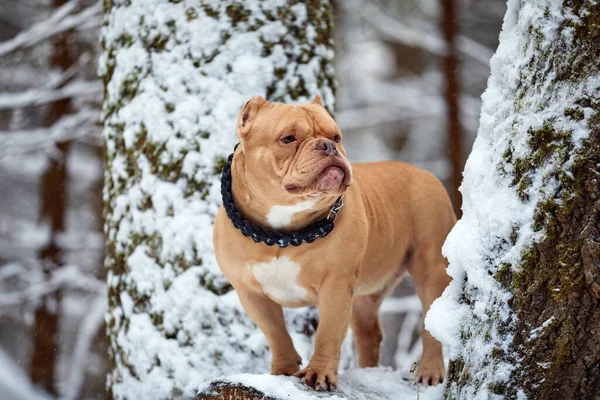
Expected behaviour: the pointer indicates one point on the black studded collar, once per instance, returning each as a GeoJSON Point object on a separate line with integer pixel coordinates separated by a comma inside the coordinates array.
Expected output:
{"type": "Point", "coordinates": [309, 234]}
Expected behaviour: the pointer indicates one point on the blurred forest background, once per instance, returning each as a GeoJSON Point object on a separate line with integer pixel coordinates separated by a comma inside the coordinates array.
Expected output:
{"type": "Point", "coordinates": [410, 75]}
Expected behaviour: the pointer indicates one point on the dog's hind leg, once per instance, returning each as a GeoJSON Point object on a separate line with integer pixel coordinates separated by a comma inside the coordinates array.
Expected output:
{"type": "Point", "coordinates": [367, 329]}
{"type": "Point", "coordinates": [428, 271]}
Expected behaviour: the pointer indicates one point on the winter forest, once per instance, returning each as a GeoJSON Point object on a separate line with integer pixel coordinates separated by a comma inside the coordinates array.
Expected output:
{"type": "Point", "coordinates": [117, 121]}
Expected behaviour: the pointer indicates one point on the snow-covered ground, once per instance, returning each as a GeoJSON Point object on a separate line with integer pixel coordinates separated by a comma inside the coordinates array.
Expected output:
{"type": "Point", "coordinates": [354, 384]}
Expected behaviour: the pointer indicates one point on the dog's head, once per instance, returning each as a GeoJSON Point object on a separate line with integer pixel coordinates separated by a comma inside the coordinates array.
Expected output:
{"type": "Point", "coordinates": [292, 151]}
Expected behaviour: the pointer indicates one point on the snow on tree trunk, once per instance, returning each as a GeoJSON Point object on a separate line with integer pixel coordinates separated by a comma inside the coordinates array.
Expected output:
{"type": "Point", "coordinates": [176, 74]}
{"type": "Point", "coordinates": [524, 304]}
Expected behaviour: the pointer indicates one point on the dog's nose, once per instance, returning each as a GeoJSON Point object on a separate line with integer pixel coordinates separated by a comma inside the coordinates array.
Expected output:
{"type": "Point", "coordinates": [327, 146]}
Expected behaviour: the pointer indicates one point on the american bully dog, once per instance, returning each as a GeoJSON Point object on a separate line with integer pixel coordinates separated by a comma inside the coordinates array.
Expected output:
{"type": "Point", "coordinates": [303, 227]}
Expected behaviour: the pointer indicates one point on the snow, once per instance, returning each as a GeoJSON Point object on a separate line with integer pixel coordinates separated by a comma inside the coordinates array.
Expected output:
{"type": "Point", "coordinates": [473, 316]}
{"type": "Point", "coordinates": [354, 384]}
{"type": "Point", "coordinates": [170, 333]}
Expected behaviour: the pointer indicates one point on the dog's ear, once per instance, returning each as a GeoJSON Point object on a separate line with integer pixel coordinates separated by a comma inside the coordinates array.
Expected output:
{"type": "Point", "coordinates": [248, 114]}
{"type": "Point", "coordinates": [317, 100]}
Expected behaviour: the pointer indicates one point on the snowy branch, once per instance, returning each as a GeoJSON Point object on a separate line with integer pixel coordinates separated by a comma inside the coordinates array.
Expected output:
{"type": "Point", "coordinates": [90, 325]}
{"type": "Point", "coordinates": [62, 278]}
{"type": "Point", "coordinates": [397, 31]}
{"type": "Point", "coordinates": [59, 22]}
{"type": "Point", "coordinates": [70, 127]}
{"type": "Point", "coordinates": [36, 97]}
{"type": "Point", "coordinates": [398, 305]}
{"type": "Point", "coordinates": [378, 114]}
{"type": "Point", "coordinates": [22, 74]}
{"type": "Point", "coordinates": [14, 382]}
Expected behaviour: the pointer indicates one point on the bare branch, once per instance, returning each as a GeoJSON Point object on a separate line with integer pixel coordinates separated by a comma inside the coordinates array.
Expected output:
{"type": "Point", "coordinates": [71, 127]}
{"type": "Point", "coordinates": [397, 31]}
{"type": "Point", "coordinates": [60, 21]}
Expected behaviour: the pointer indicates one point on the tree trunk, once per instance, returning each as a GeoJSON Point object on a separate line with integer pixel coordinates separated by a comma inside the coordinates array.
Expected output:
{"type": "Point", "coordinates": [52, 212]}
{"type": "Point", "coordinates": [176, 77]}
{"type": "Point", "coordinates": [525, 257]}
{"type": "Point", "coordinates": [452, 93]}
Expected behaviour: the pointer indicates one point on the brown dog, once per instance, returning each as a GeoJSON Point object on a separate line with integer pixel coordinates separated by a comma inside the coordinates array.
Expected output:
{"type": "Point", "coordinates": [287, 173]}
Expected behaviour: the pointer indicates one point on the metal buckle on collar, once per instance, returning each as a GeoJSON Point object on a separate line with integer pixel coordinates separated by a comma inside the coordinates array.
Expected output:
{"type": "Point", "coordinates": [335, 208]}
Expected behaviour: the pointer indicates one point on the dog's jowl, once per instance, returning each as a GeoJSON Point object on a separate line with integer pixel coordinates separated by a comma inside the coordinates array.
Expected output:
{"type": "Point", "coordinates": [300, 226]}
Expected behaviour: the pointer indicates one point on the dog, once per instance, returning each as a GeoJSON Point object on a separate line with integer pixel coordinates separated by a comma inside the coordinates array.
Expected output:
{"type": "Point", "coordinates": [375, 223]}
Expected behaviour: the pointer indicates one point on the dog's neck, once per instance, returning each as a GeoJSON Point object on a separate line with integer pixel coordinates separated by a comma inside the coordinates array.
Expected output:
{"type": "Point", "coordinates": [263, 211]}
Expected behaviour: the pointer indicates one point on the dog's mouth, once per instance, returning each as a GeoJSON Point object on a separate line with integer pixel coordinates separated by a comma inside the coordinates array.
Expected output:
{"type": "Point", "coordinates": [329, 179]}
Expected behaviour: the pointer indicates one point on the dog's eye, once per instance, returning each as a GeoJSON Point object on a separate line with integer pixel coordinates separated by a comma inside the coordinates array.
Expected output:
{"type": "Point", "coordinates": [337, 138]}
{"type": "Point", "coordinates": [288, 139]}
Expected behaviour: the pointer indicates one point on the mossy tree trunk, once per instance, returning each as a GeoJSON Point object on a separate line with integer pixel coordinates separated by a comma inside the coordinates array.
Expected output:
{"type": "Point", "coordinates": [525, 258]}
{"type": "Point", "coordinates": [176, 74]}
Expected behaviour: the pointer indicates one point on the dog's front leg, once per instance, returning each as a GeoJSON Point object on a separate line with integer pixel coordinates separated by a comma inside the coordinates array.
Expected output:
{"type": "Point", "coordinates": [335, 309]}
{"type": "Point", "coordinates": [268, 315]}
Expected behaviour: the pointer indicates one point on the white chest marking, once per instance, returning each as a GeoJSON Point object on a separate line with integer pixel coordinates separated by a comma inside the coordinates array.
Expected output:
{"type": "Point", "coordinates": [278, 279]}
{"type": "Point", "coordinates": [281, 216]}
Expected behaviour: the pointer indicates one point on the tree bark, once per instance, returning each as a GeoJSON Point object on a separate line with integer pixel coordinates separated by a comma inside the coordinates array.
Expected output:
{"type": "Point", "coordinates": [525, 257]}
{"type": "Point", "coordinates": [175, 79]}
{"type": "Point", "coordinates": [52, 212]}
{"type": "Point", "coordinates": [225, 390]}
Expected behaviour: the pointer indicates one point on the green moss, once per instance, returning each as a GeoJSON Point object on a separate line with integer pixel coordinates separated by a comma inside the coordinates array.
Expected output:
{"type": "Point", "coordinates": [225, 37]}
{"type": "Point", "coordinates": [574, 113]}
{"type": "Point", "coordinates": [191, 14]}
{"type": "Point", "coordinates": [237, 13]}
{"type": "Point", "coordinates": [203, 134]}
{"type": "Point", "coordinates": [107, 6]}
{"type": "Point", "coordinates": [146, 203]}
{"type": "Point", "coordinates": [498, 388]}
{"type": "Point", "coordinates": [545, 142]}
{"type": "Point", "coordinates": [210, 12]}
{"type": "Point", "coordinates": [129, 86]}
{"type": "Point", "coordinates": [208, 59]}
{"type": "Point", "coordinates": [280, 72]}
{"type": "Point", "coordinates": [157, 318]}
{"type": "Point", "coordinates": [209, 284]}
{"type": "Point", "coordinates": [124, 40]}
{"type": "Point", "coordinates": [220, 164]}
{"type": "Point", "coordinates": [156, 43]}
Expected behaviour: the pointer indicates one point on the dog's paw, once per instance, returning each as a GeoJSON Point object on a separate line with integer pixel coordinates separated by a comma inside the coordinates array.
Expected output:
{"type": "Point", "coordinates": [431, 372]}
{"type": "Point", "coordinates": [322, 378]}
{"type": "Point", "coordinates": [285, 367]}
